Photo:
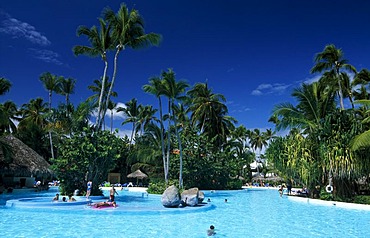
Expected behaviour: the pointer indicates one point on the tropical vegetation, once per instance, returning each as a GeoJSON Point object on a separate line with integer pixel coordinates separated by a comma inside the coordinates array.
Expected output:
{"type": "Point", "coordinates": [188, 137]}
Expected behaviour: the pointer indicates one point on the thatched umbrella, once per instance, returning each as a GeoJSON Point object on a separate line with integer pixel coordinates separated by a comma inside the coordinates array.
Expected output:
{"type": "Point", "coordinates": [138, 175]}
{"type": "Point", "coordinates": [26, 162]}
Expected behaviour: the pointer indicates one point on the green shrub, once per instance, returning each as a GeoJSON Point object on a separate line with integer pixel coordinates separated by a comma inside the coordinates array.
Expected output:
{"type": "Point", "coordinates": [362, 199]}
{"type": "Point", "coordinates": [158, 187]}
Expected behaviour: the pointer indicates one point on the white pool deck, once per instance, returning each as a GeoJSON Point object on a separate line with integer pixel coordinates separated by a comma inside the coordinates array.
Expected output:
{"type": "Point", "coordinates": [316, 201]}
{"type": "Point", "coordinates": [130, 189]}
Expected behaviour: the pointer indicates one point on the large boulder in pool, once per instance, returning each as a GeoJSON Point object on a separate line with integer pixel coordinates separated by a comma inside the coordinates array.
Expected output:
{"type": "Point", "coordinates": [200, 197]}
{"type": "Point", "coordinates": [171, 197]}
{"type": "Point", "coordinates": [190, 197]}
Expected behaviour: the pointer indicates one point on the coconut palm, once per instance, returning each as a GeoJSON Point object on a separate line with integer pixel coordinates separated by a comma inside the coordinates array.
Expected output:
{"type": "Point", "coordinates": [52, 84]}
{"type": "Point", "coordinates": [66, 88]}
{"type": "Point", "coordinates": [173, 90]}
{"type": "Point", "coordinates": [363, 140]}
{"type": "Point", "coordinates": [363, 79]}
{"type": "Point", "coordinates": [34, 113]}
{"type": "Point", "coordinates": [128, 32]}
{"type": "Point", "coordinates": [156, 88]}
{"type": "Point", "coordinates": [146, 115]}
{"type": "Point", "coordinates": [205, 106]}
{"type": "Point", "coordinates": [8, 115]}
{"type": "Point", "coordinates": [101, 42]}
{"type": "Point", "coordinates": [131, 111]}
{"type": "Point", "coordinates": [331, 60]}
{"type": "Point", "coordinates": [313, 105]}
{"type": "Point", "coordinates": [5, 86]}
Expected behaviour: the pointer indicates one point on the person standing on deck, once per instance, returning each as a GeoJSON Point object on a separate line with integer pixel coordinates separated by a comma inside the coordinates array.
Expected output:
{"type": "Point", "coordinates": [89, 188]}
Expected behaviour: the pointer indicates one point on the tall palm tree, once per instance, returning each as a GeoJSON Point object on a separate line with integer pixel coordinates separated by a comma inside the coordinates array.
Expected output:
{"type": "Point", "coordinates": [128, 32]}
{"type": "Point", "coordinates": [331, 60]}
{"type": "Point", "coordinates": [66, 88]}
{"type": "Point", "coordinates": [52, 84]}
{"type": "Point", "coordinates": [173, 91]}
{"type": "Point", "coordinates": [101, 42]}
{"type": "Point", "coordinates": [156, 88]}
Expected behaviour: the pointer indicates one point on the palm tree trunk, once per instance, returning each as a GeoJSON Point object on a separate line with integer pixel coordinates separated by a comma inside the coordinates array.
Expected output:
{"type": "Point", "coordinates": [50, 138]}
{"type": "Point", "coordinates": [340, 90]}
{"type": "Point", "coordinates": [51, 145]}
{"type": "Point", "coordinates": [180, 148]}
{"type": "Point", "coordinates": [162, 141]}
{"type": "Point", "coordinates": [169, 137]}
{"type": "Point", "coordinates": [113, 77]}
{"type": "Point", "coordinates": [98, 120]}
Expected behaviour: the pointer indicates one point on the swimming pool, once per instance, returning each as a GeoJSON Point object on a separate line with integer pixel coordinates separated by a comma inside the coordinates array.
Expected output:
{"type": "Point", "coordinates": [252, 213]}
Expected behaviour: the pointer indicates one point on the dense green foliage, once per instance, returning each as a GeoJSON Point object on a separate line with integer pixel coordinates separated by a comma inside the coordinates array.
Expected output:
{"type": "Point", "coordinates": [87, 155]}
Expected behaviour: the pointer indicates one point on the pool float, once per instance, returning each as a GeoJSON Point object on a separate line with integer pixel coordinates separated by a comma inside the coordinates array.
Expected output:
{"type": "Point", "coordinates": [103, 207]}
{"type": "Point", "coordinates": [329, 188]}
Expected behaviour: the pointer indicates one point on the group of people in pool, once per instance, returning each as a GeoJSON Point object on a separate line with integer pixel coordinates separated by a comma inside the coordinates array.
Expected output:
{"type": "Point", "coordinates": [64, 199]}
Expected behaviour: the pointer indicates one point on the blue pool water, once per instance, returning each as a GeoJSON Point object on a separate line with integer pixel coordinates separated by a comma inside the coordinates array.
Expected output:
{"type": "Point", "coordinates": [248, 213]}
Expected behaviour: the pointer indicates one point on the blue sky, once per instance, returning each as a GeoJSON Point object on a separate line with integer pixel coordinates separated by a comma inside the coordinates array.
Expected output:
{"type": "Point", "coordinates": [253, 52]}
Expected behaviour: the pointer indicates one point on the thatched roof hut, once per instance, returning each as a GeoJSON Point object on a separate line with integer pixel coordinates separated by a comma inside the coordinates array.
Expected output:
{"type": "Point", "coordinates": [26, 162]}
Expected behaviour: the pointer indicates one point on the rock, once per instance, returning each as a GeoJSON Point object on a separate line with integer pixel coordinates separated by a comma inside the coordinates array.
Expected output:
{"type": "Point", "coordinates": [190, 197]}
{"type": "Point", "coordinates": [171, 197]}
{"type": "Point", "coordinates": [200, 197]}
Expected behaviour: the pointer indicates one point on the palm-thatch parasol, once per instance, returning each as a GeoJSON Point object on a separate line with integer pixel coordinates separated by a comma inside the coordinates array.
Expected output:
{"type": "Point", "coordinates": [138, 175]}
{"type": "Point", "coordinates": [26, 162]}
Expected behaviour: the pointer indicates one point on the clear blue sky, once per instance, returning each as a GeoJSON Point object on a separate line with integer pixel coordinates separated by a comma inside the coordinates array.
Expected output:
{"type": "Point", "coordinates": [253, 52]}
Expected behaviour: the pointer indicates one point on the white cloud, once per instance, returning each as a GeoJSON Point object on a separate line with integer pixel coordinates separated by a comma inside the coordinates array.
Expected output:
{"type": "Point", "coordinates": [312, 80]}
{"type": "Point", "coordinates": [18, 29]}
{"type": "Point", "coordinates": [46, 56]}
{"type": "Point", "coordinates": [276, 89]}
{"type": "Point", "coordinates": [116, 115]}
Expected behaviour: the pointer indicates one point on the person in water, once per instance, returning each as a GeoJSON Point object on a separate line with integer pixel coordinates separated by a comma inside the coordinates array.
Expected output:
{"type": "Point", "coordinates": [56, 198]}
{"type": "Point", "coordinates": [211, 231]}
{"type": "Point", "coordinates": [71, 199]}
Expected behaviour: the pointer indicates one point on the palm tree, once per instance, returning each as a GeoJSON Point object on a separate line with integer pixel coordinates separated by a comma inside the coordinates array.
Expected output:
{"type": "Point", "coordinates": [331, 60]}
{"type": "Point", "coordinates": [8, 114]}
{"type": "Point", "coordinates": [52, 84]}
{"type": "Point", "coordinates": [34, 113]}
{"type": "Point", "coordinates": [145, 116]}
{"type": "Point", "coordinates": [205, 106]}
{"type": "Point", "coordinates": [131, 111]}
{"type": "Point", "coordinates": [363, 140]}
{"type": "Point", "coordinates": [363, 79]}
{"type": "Point", "coordinates": [313, 105]}
{"type": "Point", "coordinates": [5, 85]}
{"type": "Point", "coordinates": [128, 31]}
{"type": "Point", "coordinates": [173, 91]}
{"type": "Point", "coordinates": [155, 87]}
{"type": "Point", "coordinates": [209, 113]}
{"type": "Point", "coordinates": [66, 88]}
{"type": "Point", "coordinates": [101, 42]}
